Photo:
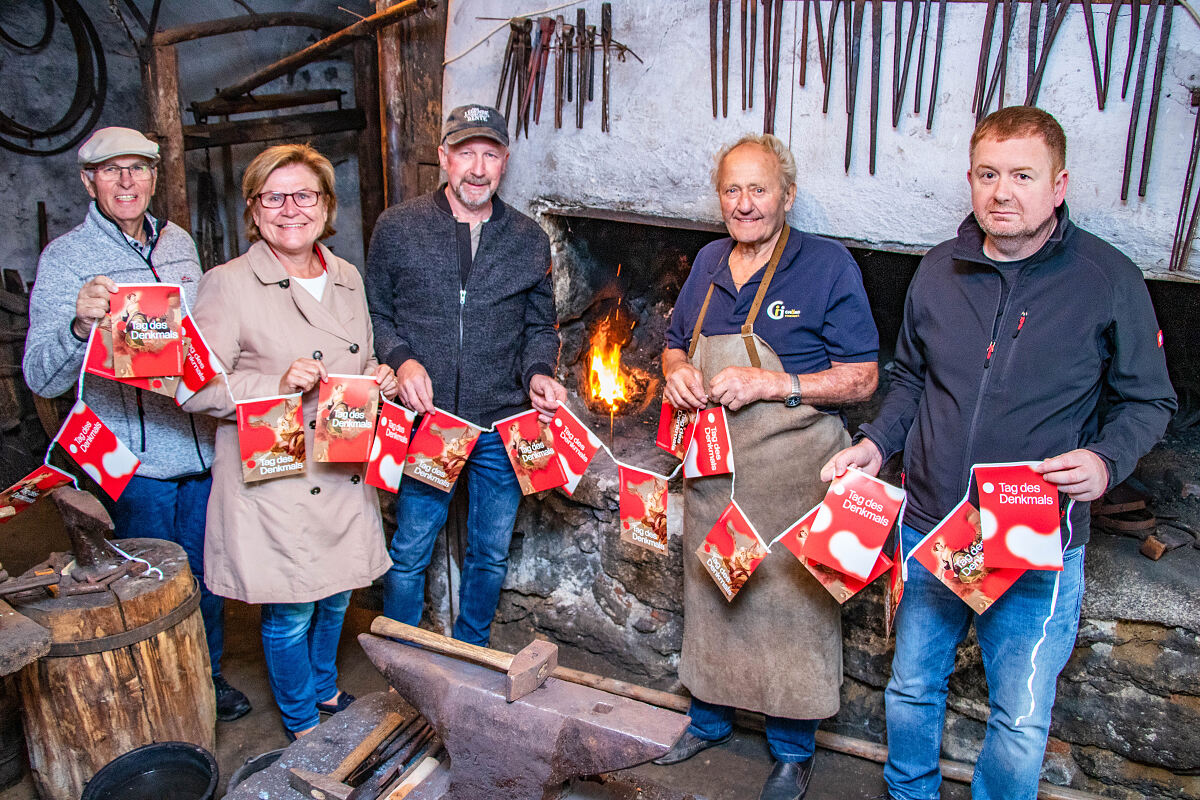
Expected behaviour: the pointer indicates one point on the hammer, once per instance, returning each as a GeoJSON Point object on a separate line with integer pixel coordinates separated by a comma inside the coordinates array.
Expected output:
{"type": "Point", "coordinates": [524, 672]}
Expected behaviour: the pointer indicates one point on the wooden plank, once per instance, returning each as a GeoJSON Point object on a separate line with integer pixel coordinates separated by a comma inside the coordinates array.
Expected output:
{"type": "Point", "coordinates": [252, 22]}
{"type": "Point", "coordinates": [370, 143]}
{"type": "Point", "coordinates": [22, 641]}
{"type": "Point", "coordinates": [291, 126]}
{"type": "Point", "coordinates": [264, 102]}
{"type": "Point", "coordinates": [160, 83]}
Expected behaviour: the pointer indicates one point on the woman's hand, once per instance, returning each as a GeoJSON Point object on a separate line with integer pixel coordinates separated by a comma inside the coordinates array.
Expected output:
{"type": "Point", "coordinates": [735, 387]}
{"type": "Point", "coordinates": [302, 375]}
{"type": "Point", "coordinates": [389, 387]}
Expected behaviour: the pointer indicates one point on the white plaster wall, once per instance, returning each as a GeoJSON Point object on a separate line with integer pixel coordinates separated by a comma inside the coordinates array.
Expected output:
{"type": "Point", "coordinates": [657, 157]}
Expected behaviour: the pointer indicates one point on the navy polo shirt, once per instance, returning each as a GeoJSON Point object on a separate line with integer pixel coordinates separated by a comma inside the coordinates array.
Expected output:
{"type": "Point", "coordinates": [815, 311]}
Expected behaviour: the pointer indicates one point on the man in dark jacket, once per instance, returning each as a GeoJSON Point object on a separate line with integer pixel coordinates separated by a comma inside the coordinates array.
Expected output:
{"type": "Point", "coordinates": [1012, 333]}
{"type": "Point", "coordinates": [459, 288]}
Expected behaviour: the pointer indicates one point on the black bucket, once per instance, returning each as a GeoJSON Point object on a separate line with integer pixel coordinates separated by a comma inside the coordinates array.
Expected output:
{"type": "Point", "coordinates": [160, 771]}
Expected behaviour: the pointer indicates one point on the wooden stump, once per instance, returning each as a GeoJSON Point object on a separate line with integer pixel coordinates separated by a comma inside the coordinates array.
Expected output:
{"type": "Point", "coordinates": [127, 667]}
{"type": "Point", "coordinates": [12, 740]}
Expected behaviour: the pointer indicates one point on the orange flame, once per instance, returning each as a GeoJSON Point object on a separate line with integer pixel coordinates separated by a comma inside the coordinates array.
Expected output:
{"type": "Point", "coordinates": [605, 378]}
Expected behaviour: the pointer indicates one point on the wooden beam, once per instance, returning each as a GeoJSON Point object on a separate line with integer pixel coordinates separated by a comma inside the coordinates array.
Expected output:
{"type": "Point", "coordinates": [329, 44]}
{"type": "Point", "coordinates": [218, 107]}
{"type": "Point", "coordinates": [370, 144]}
{"type": "Point", "coordinates": [160, 82]}
{"type": "Point", "coordinates": [292, 126]}
{"type": "Point", "coordinates": [218, 27]}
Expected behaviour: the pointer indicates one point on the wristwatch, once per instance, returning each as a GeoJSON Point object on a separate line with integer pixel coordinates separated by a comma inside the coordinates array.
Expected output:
{"type": "Point", "coordinates": [793, 398]}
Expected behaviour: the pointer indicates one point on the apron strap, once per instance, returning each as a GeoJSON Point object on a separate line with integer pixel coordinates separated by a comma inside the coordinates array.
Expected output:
{"type": "Point", "coordinates": [699, 322]}
{"type": "Point", "coordinates": [748, 325]}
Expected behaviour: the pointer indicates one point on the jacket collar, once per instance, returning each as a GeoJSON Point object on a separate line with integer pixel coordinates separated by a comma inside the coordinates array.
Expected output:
{"type": "Point", "coordinates": [443, 205]}
{"type": "Point", "coordinates": [968, 246]}
{"type": "Point", "coordinates": [113, 231]}
{"type": "Point", "coordinates": [321, 314]}
{"type": "Point", "coordinates": [267, 268]}
{"type": "Point", "coordinates": [723, 278]}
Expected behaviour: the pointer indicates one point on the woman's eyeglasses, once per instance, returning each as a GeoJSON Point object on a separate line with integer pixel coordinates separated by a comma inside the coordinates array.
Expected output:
{"type": "Point", "coordinates": [305, 198]}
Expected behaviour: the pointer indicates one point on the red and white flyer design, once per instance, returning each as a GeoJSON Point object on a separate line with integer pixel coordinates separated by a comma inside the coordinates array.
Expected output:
{"type": "Point", "coordinates": [853, 522]}
{"type": "Point", "coordinates": [200, 364]}
{"type": "Point", "coordinates": [440, 449]}
{"type": "Point", "coordinates": [576, 446]}
{"type": "Point", "coordinates": [529, 444]}
{"type": "Point", "coordinates": [147, 330]}
{"type": "Point", "coordinates": [96, 449]}
{"type": "Point", "coordinates": [841, 586]}
{"type": "Point", "coordinates": [386, 464]}
{"type": "Point", "coordinates": [98, 360]}
{"type": "Point", "coordinates": [347, 406]}
{"type": "Point", "coordinates": [953, 552]}
{"type": "Point", "coordinates": [271, 437]}
{"type": "Point", "coordinates": [643, 503]}
{"type": "Point", "coordinates": [27, 491]}
{"type": "Point", "coordinates": [1018, 514]}
{"type": "Point", "coordinates": [710, 450]}
{"type": "Point", "coordinates": [674, 430]}
{"type": "Point", "coordinates": [731, 551]}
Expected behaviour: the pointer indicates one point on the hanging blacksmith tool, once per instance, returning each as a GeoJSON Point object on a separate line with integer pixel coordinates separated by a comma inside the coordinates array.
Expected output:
{"type": "Point", "coordinates": [804, 43]}
{"type": "Point", "coordinates": [546, 29]}
{"type": "Point", "coordinates": [853, 56]}
{"type": "Point", "coordinates": [714, 9]}
{"type": "Point", "coordinates": [560, 55]}
{"type": "Point", "coordinates": [1135, 21]}
{"type": "Point", "coordinates": [1001, 68]}
{"type": "Point", "coordinates": [772, 29]}
{"type": "Point", "coordinates": [1052, 28]}
{"type": "Point", "coordinates": [591, 57]}
{"type": "Point", "coordinates": [752, 34]}
{"type": "Point", "coordinates": [535, 57]}
{"type": "Point", "coordinates": [581, 72]}
{"type": "Point", "coordinates": [1089, 23]}
{"type": "Point", "coordinates": [506, 68]}
{"type": "Point", "coordinates": [569, 49]}
{"type": "Point", "coordinates": [938, 41]}
{"type": "Point", "coordinates": [745, 10]}
{"type": "Point", "coordinates": [900, 74]}
{"type": "Point", "coordinates": [1110, 35]}
{"type": "Point", "coordinates": [816, 4]}
{"type": "Point", "coordinates": [1185, 227]}
{"type": "Point", "coordinates": [876, 57]}
{"type": "Point", "coordinates": [985, 52]}
{"type": "Point", "coordinates": [1155, 92]}
{"type": "Point", "coordinates": [726, 12]}
{"type": "Point", "coordinates": [921, 55]}
{"type": "Point", "coordinates": [827, 46]}
{"type": "Point", "coordinates": [1138, 86]}
{"type": "Point", "coordinates": [1035, 14]}
{"type": "Point", "coordinates": [606, 43]}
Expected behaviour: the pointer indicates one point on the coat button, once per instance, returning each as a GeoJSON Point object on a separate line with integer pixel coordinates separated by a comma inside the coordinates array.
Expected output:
{"type": "Point", "coordinates": [312, 423]}
{"type": "Point", "coordinates": [285, 283]}
{"type": "Point", "coordinates": [315, 490]}
{"type": "Point", "coordinates": [354, 348]}
{"type": "Point", "coordinates": [355, 479]}
{"type": "Point", "coordinates": [318, 355]}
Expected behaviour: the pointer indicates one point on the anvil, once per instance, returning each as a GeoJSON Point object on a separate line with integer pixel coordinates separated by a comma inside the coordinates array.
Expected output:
{"type": "Point", "coordinates": [527, 749]}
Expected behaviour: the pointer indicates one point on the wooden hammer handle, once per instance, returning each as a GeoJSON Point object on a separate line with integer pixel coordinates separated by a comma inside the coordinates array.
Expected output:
{"type": "Point", "coordinates": [493, 659]}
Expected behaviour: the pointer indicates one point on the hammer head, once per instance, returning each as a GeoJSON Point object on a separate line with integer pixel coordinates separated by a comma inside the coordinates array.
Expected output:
{"type": "Point", "coordinates": [529, 669]}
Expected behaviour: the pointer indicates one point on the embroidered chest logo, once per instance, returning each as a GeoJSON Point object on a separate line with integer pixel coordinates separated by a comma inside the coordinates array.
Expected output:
{"type": "Point", "coordinates": [777, 310]}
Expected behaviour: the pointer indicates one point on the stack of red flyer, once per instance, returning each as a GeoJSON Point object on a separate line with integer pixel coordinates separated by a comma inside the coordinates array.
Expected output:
{"type": "Point", "coordinates": [576, 446]}
{"type": "Point", "coordinates": [710, 451]}
{"type": "Point", "coordinates": [674, 429]}
{"type": "Point", "coordinates": [271, 437]}
{"type": "Point", "coordinates": [852, 524]}
{"type": "Point", "coordinates": [147, 336]}
{"type": "Point", "coordinates": [954, 552]}
{"type": "Point", "coordinates": [838, 584]}
{"type": "Point", "coordinates": [440, 448]}
{"type": "Point", "coordinates": [96, 449]}
{"type": "Point", "coordinates": [200, 364]}
{"type": "Point", "coordinates": [1018, 511]}
{"type": "Point", "coordinates": [643, 504]}
{"type": "Point", "coordinates": [732, 550]}
{"type": "Point", "coordinates": [347, 406]}
{"type": "Point", "coordinates": [530, 447]}
{"type": "Point", "coordinates": [27, 491]}
{"type": "Point", "coordinates": [386, 464]}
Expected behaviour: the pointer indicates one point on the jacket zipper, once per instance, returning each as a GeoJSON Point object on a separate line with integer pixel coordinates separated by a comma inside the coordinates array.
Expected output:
{"type": "Point", "coordinates": [462, 302]}
{"type": "Point", "coordinates": [997, 325]}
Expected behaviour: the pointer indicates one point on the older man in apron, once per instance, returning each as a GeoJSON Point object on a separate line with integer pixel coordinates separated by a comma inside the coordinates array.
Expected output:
{"type": "Point", "coordinates": [774, 325]}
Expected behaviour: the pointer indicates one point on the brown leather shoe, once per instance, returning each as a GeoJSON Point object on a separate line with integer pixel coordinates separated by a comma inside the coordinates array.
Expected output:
{"type": "Point", "coordinates": [788, 781]}
{"type": "Point", "coordinates": [687, 746]}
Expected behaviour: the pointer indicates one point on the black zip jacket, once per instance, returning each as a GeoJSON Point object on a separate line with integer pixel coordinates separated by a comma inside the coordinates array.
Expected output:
{"type": "Point", "coordinates": [481, 339]}
{"type": "Point", "coordinates": [1068, 355]}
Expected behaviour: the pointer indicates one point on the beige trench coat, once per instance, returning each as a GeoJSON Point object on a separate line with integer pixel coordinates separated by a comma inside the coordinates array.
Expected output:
{"type": "Point", "coordinates": [299, 538]}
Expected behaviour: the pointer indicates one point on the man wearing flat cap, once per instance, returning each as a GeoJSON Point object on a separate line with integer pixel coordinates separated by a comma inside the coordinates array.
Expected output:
{"type": "Point", "coordinates": [458, 283]}
{"type": "Point", "coordinates": [77, 277]}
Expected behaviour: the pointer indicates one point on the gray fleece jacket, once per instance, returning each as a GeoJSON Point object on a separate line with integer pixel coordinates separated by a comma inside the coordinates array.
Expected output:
{"type": "Point", "coordinates": [170, 442]}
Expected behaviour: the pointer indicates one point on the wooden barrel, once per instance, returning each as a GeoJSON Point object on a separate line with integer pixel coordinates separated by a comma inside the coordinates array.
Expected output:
{"type": "Point", "coordinates": [127, 667]}
{"type": "Point", "coordinates": [12, 739]}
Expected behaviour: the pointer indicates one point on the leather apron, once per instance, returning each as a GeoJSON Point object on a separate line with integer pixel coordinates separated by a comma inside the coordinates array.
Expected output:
{"type": "Point", "coordinates": [776, 648]}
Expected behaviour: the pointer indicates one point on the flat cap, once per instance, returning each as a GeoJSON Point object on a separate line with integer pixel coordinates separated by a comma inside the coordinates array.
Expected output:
{"type": "Point", "coordinates": [466, 122]}
{"type": "Point", "coordinates": [111, 142]}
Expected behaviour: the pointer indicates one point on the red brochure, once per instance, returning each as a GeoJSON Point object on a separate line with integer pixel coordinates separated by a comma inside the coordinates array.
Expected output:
{"type": "Point", "coordinates": [440, 449]}
{"type": "Point", "coordinates": [643, 504]}
{"type": "Point", "coordinates": [27, 491]}
{"type": "Point", "coordinates": [271, 437]}
{"type": "Point", "coordinates": [852, 523]}
{"type": "Point", "coordinates": [1018, 514]}
{"type": "Point", "coordinates": [96, 449]}
{"type": "Point", "coordinates": [575, 445]}
{"type": "Point", "coordinates": [386, 465]}
{"type": "Point", "coordinates": [98, 360]}
{"type": "Point", "coordinates": [895, 592]}
{"type": "Point", "coordinates": [953, 551]}
{"type": "Point", "coordinates": [710, 450]}
{"type": "Point", "coordinates": [530, 447]}
{"type": "Point", "coordinates": [841, 586]}
{"type": "Point", "coordinates": [200, 365]}
{"type": "Point", "coordinates": [732, 550]}
{"type": "Point", "coordinates": [147, 335]}
{"type": "Point", "coordinates": [674, 430]}
{"type": "Point", "coordinates": [347, 406]}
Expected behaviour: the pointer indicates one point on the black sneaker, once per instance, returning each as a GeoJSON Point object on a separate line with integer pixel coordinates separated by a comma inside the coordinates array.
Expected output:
{"type": "Point", "coordinates": [343, 701]}
{"type": "Point", "coordinates": [231, 704]}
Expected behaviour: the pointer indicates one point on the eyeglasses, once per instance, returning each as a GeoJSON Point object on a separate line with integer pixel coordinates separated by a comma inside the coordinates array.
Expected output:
{"type": "Point", "coordinates": [305, 198]}
{"type": "Point", "coordinates": [139, 172]}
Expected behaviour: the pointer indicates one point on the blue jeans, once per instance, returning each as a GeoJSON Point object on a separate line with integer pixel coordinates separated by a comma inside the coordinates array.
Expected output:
{"type": "Point", "coordinates": [788, 739]}
{"type": "Point", "coordinates": [421, 513]}
{"type": "Point", "coordinates": [1025, 637]}
{"type": "Point", "coordinates": [300, 642]}
{"type": "Point", "coordinates": [174, 510]}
